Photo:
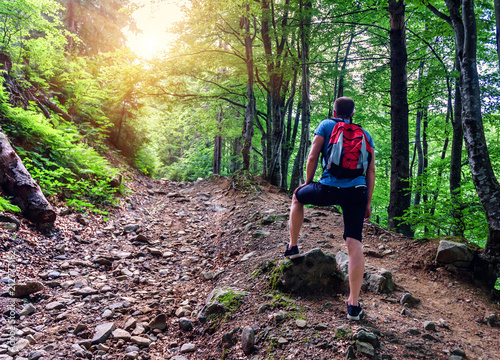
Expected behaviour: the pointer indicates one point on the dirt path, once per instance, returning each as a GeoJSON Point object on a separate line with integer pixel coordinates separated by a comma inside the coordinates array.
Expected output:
{"type": "Point", "coordinates": [169, 245]}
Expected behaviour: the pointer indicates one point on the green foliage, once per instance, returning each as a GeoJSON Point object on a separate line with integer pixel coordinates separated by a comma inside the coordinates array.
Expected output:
{"type": "Point", "coordinates": [58, 158]}
{"type": "Point", "coordinates": [497, 284]}
{"type": "Point", "coordinates": [5, 205]}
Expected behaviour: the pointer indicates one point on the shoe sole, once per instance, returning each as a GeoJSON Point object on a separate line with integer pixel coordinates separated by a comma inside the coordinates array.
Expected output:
{"type": "Point", "coordinates": [357, 317]}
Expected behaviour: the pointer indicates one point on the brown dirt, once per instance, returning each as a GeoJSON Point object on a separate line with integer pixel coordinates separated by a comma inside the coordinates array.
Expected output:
{"type": "Point", "coordinates": [204, 226]}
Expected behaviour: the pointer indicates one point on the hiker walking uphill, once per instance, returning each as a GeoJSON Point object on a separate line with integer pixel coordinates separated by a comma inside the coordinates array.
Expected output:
{"type": "Point", "coordinates": [348, 180]}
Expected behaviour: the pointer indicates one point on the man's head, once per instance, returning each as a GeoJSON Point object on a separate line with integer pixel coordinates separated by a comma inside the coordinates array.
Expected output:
{"type": "Point", "coordinates": [343, 108]}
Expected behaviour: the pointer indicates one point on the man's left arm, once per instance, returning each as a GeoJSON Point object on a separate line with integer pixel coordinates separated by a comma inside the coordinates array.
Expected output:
{"type": "Point", "coordinates": [370, 183]}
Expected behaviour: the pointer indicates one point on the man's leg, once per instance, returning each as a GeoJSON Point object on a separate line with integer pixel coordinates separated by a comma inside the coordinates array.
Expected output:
{"type": "Point", "coordinates": [296, 220]}
{"type": "Point", "coordinates": [356, 269]}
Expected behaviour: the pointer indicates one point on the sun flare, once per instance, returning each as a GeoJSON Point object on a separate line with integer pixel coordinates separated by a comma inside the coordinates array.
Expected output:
{"type": "Point", "coordinates": [154, 19]}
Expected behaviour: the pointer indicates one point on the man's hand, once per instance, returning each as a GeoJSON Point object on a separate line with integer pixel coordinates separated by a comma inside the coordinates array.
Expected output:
{"type": "Point", "coordinates": [368, 213]}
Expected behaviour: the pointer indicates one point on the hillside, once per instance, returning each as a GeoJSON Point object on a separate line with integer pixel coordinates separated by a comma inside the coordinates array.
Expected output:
{"type": "Point", "coordinates": [170, 244]}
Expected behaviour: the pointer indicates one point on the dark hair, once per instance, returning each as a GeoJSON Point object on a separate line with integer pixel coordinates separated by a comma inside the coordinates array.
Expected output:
{"type": "Point", "coordinates": [344, 107]}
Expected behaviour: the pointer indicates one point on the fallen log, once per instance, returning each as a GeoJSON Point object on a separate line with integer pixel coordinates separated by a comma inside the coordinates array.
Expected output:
{"type": "Point", "coordinates": [17, 182]}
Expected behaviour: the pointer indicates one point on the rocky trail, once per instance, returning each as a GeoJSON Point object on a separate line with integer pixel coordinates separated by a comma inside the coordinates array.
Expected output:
{"type": "Point", "coordinates": [142, 285]}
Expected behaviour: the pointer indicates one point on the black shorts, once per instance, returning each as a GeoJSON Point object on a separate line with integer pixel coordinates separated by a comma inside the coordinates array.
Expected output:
{"type": "Point", "coordinates": [352, 200]}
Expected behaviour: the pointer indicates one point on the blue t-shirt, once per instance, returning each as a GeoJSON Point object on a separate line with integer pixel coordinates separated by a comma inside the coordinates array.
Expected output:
{"type": "Point", "coordinates": [324, 129]}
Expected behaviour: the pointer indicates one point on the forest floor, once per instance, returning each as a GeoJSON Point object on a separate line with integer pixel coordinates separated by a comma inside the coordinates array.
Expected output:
{"type": "Point", "coordinates": [168, 245]}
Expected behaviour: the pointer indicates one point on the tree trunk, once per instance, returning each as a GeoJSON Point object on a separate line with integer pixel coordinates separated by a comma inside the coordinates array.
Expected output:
{"type": "Point", "coordinates": [340, 92]}
{"type": "Point", "coordinates": [418, 142]}
{"type": "Point", "coordinates": [290, 134]}
{"type": "Point", "coordinates": [456, 163]}
{"type": "Point", "coordinates": [485, 181]}
{"type": "Point", "coordinates": [305, 33]}
{"type": "Point", "coordinates": [17, 182]}
{"type": "Point", "coordinates": [497, 22]}
{"type": "Point", "coordinates": [298, 165]}
{"type": "Point", "coordinates": [275, 99]}
{"type": "Point", "coordinates": [250, 111]}
{"type": "Point", "coordinates": [400, 197]}
{"type": "Point", "coordinates": [217, 161]}
{"type": "Point", "coordinates": [235, 163]}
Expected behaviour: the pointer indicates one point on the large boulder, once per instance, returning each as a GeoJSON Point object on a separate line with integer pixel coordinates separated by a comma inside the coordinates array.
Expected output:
{"type": "Point", "coordinates": [453, 253]}
{"type": "Point", "coordinates": [311, 272]}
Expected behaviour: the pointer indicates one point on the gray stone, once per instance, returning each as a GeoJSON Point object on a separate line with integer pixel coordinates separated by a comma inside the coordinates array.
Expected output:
{"type": "Point", "coordinates": [311, 272]}
{"type": "Point", "coordinates": [301, 324]}
{"type": "Point", "coordinates": [365, 348]}
{"type": "Point", "coordinates": [409, 300]}
{"type": "Point", "coordinates": [107, 314]}
{"type": "Point", "coordinates": [185, 324]}
{"type": "Point", "coordinates": [121, 334]}
{"type": "Point", "coordinates": [429, 326]}
{"type": "Point", "coordinates": [248, 256]}
{"type": "Point", "coordinates": [19, 346]}
{"type": "Point", "coordinates": [260, 233]}
{"type": "Point", "coordinates": [229, 337]}
{"type": "Point", "coordinates": [132, 355]}
{"type": "Point", "coordinates": [141, 341]}
{"type": "Point", "coordinates": [221, 300]}
{"type": "Point", "coordinates": [37, 354]}
{"type": "Point", "coordinates": [102, 332]}
{"type": "Point", "coordinates": [14, 222]}
{"type": "Point", "coordinates": [178, 357]}
{"type": "Point", "coordinates": [28, 309]}
{"type": "Point", "coordinates": [429, 337]}
{"type": "Point", "coordinates": [453, 253]}
{"type": "Point", "coordinates": [55, 305]}
{"type": "Point", "coordinates": [247, 339]}
{"type": "Point", "coordinates": [367, 337]}
{"type": "Point", "coordinates": [343, 263]}
{"type": "Point", "coordinates": [280, 316]}
{"type": "Point", "coordinates": [79, 328]}
{"type": "Point", "coordinates": [187, 348]}
{"type": "Point", "coordinates": [413, 331]}
{"type": "Point", "coordinates": [159, 322]}
{"type": "Point", "coordinates": [130, 228]}
{"type": "Point", "coordinates": [23, 290]}
{"type": "Point", "coordinates": [130, 323]}
{"type": "Point", "coordinates": [381, 283]}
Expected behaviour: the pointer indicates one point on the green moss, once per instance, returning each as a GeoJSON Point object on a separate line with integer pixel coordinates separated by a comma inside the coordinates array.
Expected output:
{"type": "Point", "coordinates": [497, 284]}
{"type": "Point", "coordinates": [231, 300]}
{"type": "Point", "coordinates": [276, 275]}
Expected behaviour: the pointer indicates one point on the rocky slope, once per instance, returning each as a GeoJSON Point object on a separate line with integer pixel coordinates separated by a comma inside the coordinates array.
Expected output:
{"type": "Point", "coordinates": [134, 286]}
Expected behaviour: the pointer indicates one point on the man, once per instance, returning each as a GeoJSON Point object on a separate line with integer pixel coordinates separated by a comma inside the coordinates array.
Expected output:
{"type": "Point", "coordinates": [354, 195]}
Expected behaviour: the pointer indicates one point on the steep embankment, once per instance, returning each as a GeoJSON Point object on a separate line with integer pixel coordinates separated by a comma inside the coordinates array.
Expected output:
{"type": "Point", "coordinates": [107, 285]}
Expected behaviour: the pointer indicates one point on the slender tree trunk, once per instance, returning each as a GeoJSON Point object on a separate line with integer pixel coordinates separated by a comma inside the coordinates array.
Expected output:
{"type": "Point", "coordinates": [400, 197]}
{"type": "Point", "coordinates": [497, 22]}
{"type": "Point", "coordinates": [456, 162]}
{"type": "Point", "coordinates": [217, 161]}
{"type": "Point", "coordinates": [340, 92]}
{"type": "Point", "coordinates": [250, 111]}
{"type": "Point", "coordinates": [298, 164]}
{"type": "Point", "coordinates": [418, 142]}
{"type": "Point", "coordinates": [290, 134]}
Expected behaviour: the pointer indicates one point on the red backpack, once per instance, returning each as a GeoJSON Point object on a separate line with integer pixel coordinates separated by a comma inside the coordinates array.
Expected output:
{"type": "Point", "coordinates": [349, 151]}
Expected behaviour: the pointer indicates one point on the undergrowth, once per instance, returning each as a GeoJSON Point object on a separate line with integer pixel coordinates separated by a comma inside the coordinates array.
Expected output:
{"type": "Point", "coordinates": [6, 206]}
{"type": "Point", "coordinates": [58, 158]}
